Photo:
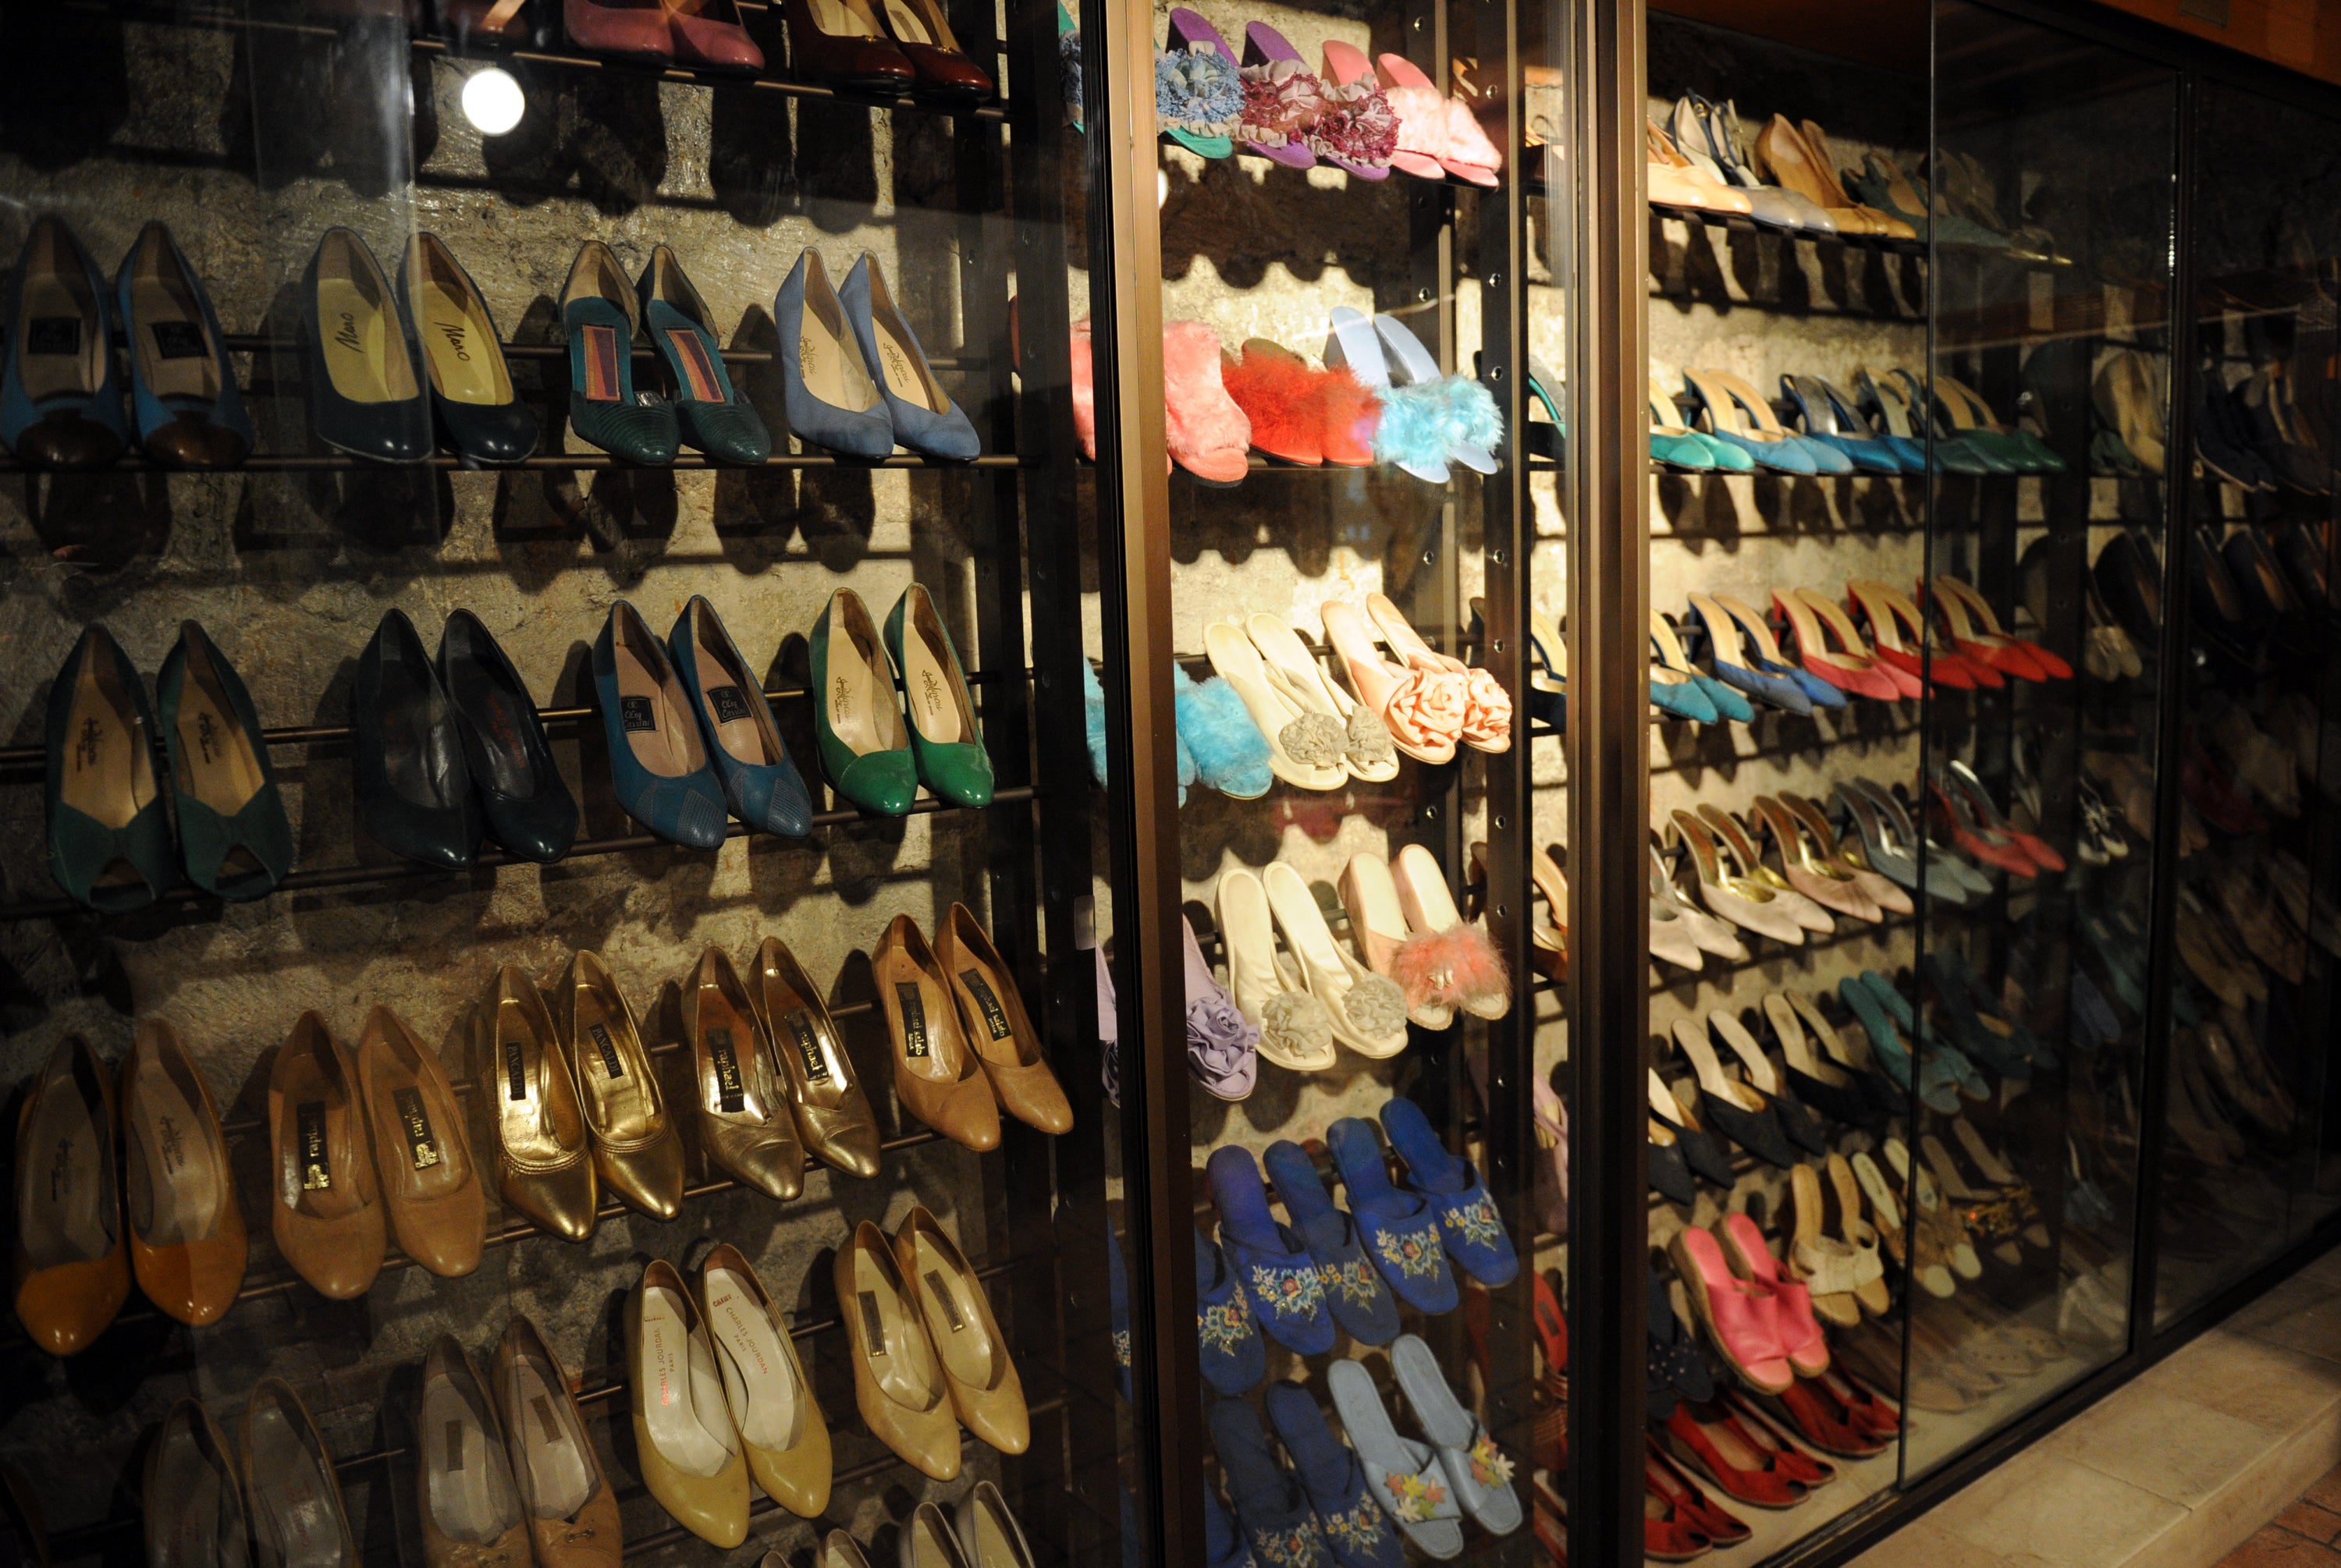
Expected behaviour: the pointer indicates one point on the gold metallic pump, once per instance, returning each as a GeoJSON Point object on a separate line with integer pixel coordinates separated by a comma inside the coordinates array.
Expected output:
{"type": "Point", "coordinates": [993, 1020]}
{"type": "Point", "coordinates": [683, 1437]}
{"type": "Point", "coordinates": [744, 1127]}
{"type": "Point", "coordinates": [984, 1388]}
{"type": "Point", "coordinates": [772, 1406]}
{"type": "Point", "coordinates": [898, 1385]}
{"type": "Point", "coordinates": [637, 1153]}
{"type": "Point", "coordinates": [187, 1244]}
{"type": "Point", "coordinates": [73, 1273]}
{"type": "Point", "coordinates": [537, 1142]}
{"type": "Point", "coordinates": [936, 1077]}
{"type": "Point", "coordinates": [833, 1112]}
{"type": "Point", "coordinates": [572, 1514]}
{"type": "Point", "coordinates": [422, 1154]}
{"type": "Point", "coordinates": [328, 1215]}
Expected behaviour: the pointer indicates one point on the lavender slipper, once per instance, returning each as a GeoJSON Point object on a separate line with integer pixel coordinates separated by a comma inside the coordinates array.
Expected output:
{"type": "Point", "coordinates": [1222, 1046]}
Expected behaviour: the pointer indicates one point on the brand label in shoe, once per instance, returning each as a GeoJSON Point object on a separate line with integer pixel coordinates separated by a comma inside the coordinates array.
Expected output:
{"type": "Point", "coordinates": [452, 1436]}
{"type": "Point", "coordinates": [601, 358]}
{"type": "Point", "coordinates": [995, 1017]}
{"type": "Point", "coordinates": [345, 332]}
{"type": "Point", "coordinates": [914, 1018]}
{"type": "Point", "coordinates": [52, 335]}
{"type": "Point", "coordinates": [726, 703]}
{"type": "Point", "coordinates": [89, 747]}
{"type": "Point", "coordinates": [177, 340]}
{"type": "Point", "coordinates": [933, 702]}
{"type": "Point", "coordinates": [608, 1049]}
{"type": "Point", "coordinates": [61, 1171]}
{"type": "Point", "coordinates": [457, 335]}
{"type": "Point", "coordinates": [944, 1299]}
{"type": "Point", "coordinates": [696, 367]}
{"type": "Point", "coordinates": [515, 1070]}
{"type": "Point", "coordinates": [873, 1324]}
{"type": "Point", "coordinates": [170, 1145]}
{"type": "Point", "coordinates": [207, 738]}
{"type": "Point", "coordinates": [309, 1146]}
{"type": "Point", "coordinates": [548, 1424]}
{"type": "Point", "coordinates": [422, 1148]}
{"type": "Point", "coordinates": [637, 714]}
{"type": "Point", "coordinates": [809, 1052]}
{"type": "Point", "coordinates": [729, 1095]}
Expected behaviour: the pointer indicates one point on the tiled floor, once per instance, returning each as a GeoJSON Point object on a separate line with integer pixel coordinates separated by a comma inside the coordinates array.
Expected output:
{"type": "Point", "coordinates": [2179, 1468]}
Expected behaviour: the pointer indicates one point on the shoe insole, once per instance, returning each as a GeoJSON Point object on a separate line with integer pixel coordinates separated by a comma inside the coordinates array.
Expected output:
{"type": "Point", "coordinates": [177, 357]}
{"type": "Point", "coordinates": [922, 1548]}
{"type": "Point", "coordinates": [109, 765]}
{"type": "Point", "coordinates": [467, 1479]}
{"type": "Point", "coordinates": [808, 1043]}
{"type": "Point", "coordinates": [864, 712]}
{"type": "Point", "coordinates": [556, 1470]}
{"type": "Point", "coordinates": [930, 683]}
{"type": "Point", "coordinates": [527, 1121]}
{"type": "Point", "coordinates": [1303, 925]}
{"type": "Point", "coordinates": [907, 376]}
{"type": "Point", "coordinates": [221, 769]}
{"type": "Point", "coordinates": [364, 353]}
{"type": "Point", "coordinates": [191, 1536]}
{"type": "Point", "coordinates": [1737, 1455]}
{"type": "Point", "coordinates": [681, 1391]}
{"type": "Point", "coordinates": [322, 1151]}
{"type": "Point", "coordinates": [414, 1122]}
{"type": "Point", "coordinates": [738, 1087]}
{"type": "Point", "coordinates": [419, 749]}
{"type": "Point", "coordinates": [177, 1173]}
{"type": "Point", "coordinates": [62, 1213]}
{"type": "Point", "coordinates": [1375, 910]}
{"type": "Point", "coordinates": [845, 18]}
{"type": "Point", "coordinates": [466, 364]}
{"type": "Point", "coordinates": [992, 1543]}
{"type": "Point", "coordinates": [902, 1358]}
{"type": "Point", "coordinates": [923, 1017]}
{"type": "Point", "coordinates": [991, 1027]}
{"type": "Point", "coordinates": [610, 1061]}
{"type": "Point", "coordinates": [954, 1315]}
{"type": "Point", "coordinates": [828, 362]}
{"type": "Point", "coordinates": [62, 351]}
{"type": "Point", "coordinates": [659, 727]}
{"type": "Point", "coordinates": [294, 1508]}
{"type": "Point", "coordinates": [759, 1373]}
{"type": "Point", "coordinates": [741, 728]}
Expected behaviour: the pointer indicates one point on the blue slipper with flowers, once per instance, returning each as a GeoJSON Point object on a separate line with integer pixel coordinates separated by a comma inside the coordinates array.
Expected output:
{"type": "Point", "coordinates": [1271, 1508]}
{"type": "Point", "coordinates": [1400, 1229]}
{"type": "Point", "coordinates": [1362, 1305]}
{"type": "Point", "coordinates": [1469, 1226]}
{"type": "Point", "coordinates": [1279, 1277]}
{"type": "Point", "coordinates": [1355, 1528]}
{"type": "Point", "coordinates": [1234, 1359]}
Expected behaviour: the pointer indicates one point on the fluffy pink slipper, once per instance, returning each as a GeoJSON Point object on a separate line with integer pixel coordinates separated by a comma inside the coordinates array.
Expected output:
{"type": "Point", "coordinates": [1207, 434]}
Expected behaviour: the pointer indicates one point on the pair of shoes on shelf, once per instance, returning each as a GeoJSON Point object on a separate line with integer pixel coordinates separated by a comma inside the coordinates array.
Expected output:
{"type": "Point", "coordinates": [853, 378]}
{"type": "Point", "coordinates": [720, 1397]}
{"type": "Point", "coordinates": [1270, 104]}
{"type": "Point", "coordinates": [365, 1147]}
{"type": "Point", "coordinates": [1758, 1111]}
{"type": "Point", "coordinates": [980, 1532]}
{"type": "Point", "coordinates": [109, 816]}
{"type": "Point", "coordinates": [61, 393]}
{"type": "Point", "coordinates": [1757, 1319]}
{"type": "Point", "coordinates": [444, 749]}
{"type": "Point", "coordinates": [964, 1048]}
{"type": "Point", "coordinates": [1404, 921]}
{"type": "Point", "coordinates": [1299, 413]}
{"type": "Point", "coordinates": [1302, 1282]}
{"type": "Point", "coordinates": [892, 713]}
{"type": "Point", "coordinates": [890, 48]}
{"type": "Point", "coordinates": [1426, 1484]}
{"type": "Point", "coordinates": [708, 33]}
{"type": "Point", "coordinates": [1319, 994]}
{"type": "Point", "coordinates": [1431, 702]}
{"type": "Point", "coordinates": [1706, 137]}
{"type": "Point", "coordinates": [1427, 420]}
{"type": "Point", "coordinates": [1321, 1504]}
{"type": "Point", "coordinates": [1798, 159]}
{"type": "Point", "coordinates": [602, 315]}
{"type": "Point", "coordinates": [381, 365]}
{"type": "Point", "coordinates": [1744, 1450]}
{"type": "Point", "coordinates": [928, 1354]}
{"type": "Point", "coordinates": [132, 1182]}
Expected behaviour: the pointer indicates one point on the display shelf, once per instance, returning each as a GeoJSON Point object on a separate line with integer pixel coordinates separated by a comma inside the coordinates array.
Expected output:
{"type": "Point", "coordinates": [398, 873]}
{"type": "Point", "coordinates": [332, 462]}
{"type": "Point", "coordinates": [258, 343]}
{"type": "Point", "coordinates": [1739, 223]}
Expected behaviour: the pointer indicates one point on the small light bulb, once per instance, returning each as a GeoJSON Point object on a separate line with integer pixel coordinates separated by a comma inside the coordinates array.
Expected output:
{"type": "Point", "coordinates": [492, 101]}
{"type": "Point", "coordinates": [1162, 188]}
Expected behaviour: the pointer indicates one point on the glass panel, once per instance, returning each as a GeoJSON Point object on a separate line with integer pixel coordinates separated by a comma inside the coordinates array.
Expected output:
{"type": "Point", "coordinates": [2246, 1169]}
{"type": "Point", "coordinates": [476, 271]}
{"type": "Point", "coordinates": [1788, 523]}
{"type": "Point", "coordinates": [1340, 468]}
{"type": "Point", "coordinates": [2052, 166]}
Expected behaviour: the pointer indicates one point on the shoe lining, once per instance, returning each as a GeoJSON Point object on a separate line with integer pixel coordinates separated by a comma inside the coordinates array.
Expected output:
{"type": "Point", "coordinates": [931, 680]}
{"type": "Point", "coordinates": [954, 1316]}
{"type": "Point", "coordinates": [830, 374]}
{"type": "Point", "coordinates": [675, 1380]}
{"type": "Point", "coordinates": [740, 723]}
{"type": "Point", "coordinates": [176, 1180]}
{"type": "Point", "coordinates": [416, 1125]}
{"type": "Point", "coordinates": [907, 375]}
{"type": "Point", "coordinates": [466, 365]}
{"type": "Point", "coordinates": [844, 19]}
{"type": "Point", "coordinates": [864, 712]}
{"type": "Point", "coordinates": [467, 1480]}
{"type": "Point", "coordinates": [61, 352]}
{"type": "Point", "coordinates": [219, 766]}
{"type": "Point", "coordinates": [109, 767]}
{"type": "Point", "coordinates": [321, 1178]}
{"type": "Point", "coordinates": [902, 1359]}
{"type": "Point", "coordinates": [657, 723]}
{"type": "Point", "coordinates": [760, 1376]}
{"type": "Point", "coordinates": [555, 1472]}
{"type": "Point", "coordinates": [61, 1214]}
{"type": "Point", "coordinates": [293, 1499]}
{"type": "Point", "coordinates": [609, 1062]}
{"type": "Point", "coordinates": [358, 333]}
{"type": "Point", "coordinates": [176, 355]}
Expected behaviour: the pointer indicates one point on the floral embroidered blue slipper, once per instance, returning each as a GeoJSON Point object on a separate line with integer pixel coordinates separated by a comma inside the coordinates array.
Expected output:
{"type": "Point", "coordinates": [1356, 1531]}
{"type": "Point", "coordinates": [1360, 1301]}
{"type": "Point", "coordinates": [1234, 1359]}
{"type": "Point", "coordinates": [1223, 1544]}
{"type": "Point", "coordinates": [1474, 1233]}
{"type": "Point", "coordinates": [1270, 1507]}
{"type": "Point", "coordinates": [1404, 1476]}
{"type": "Point", "coordinates": [1278, 1275]}
{"type": "Point", "coordinates": [1400, 1229]}
{"type": "Point", "coordinates": [1481, 1473]}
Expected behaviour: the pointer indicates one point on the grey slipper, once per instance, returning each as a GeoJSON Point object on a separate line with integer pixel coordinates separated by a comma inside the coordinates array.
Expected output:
{"type": "Point", "coordinates": [1405, 1476]}
{"type": "Point", "coordinates": [1481, 1473]}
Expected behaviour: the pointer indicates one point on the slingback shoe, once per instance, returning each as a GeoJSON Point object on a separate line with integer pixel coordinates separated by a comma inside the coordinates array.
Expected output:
{"type": "Point", "coordinates": [825, 390]}
{"type": "Point", "coordinates": [946, 742]}
{"type": "Point", "coordinates": [184, 401]}
{"type": "Point", "coordinates": [600, 318]}
{"type": "Point", "coordinates": [922, 415]}
{"type": "Point", "coordinates": [60, 399]}
{"type": "Point", "coordinates": [525, 803]}
{"type": "Point", "coordinates": [72, 1267]}
{"type": "Point", "coordinates": [108, 830]}
{"type": "Point", "coordinates": [761, 781]}
{"type": "Point", "coordinates": [659, 767]}
{"type": "Point", "coordinates": [478, 414]}
{"type": "Point", "coordinates": [408, 771]}
{"type": "Point", "coordinates": [234, 838]}
{"type": "Point", "coordinates": [364, 376]}
{"type": "Point", "coordinates": [710, 415]}
{"type": "Point", "coordinates": [865, 746]}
